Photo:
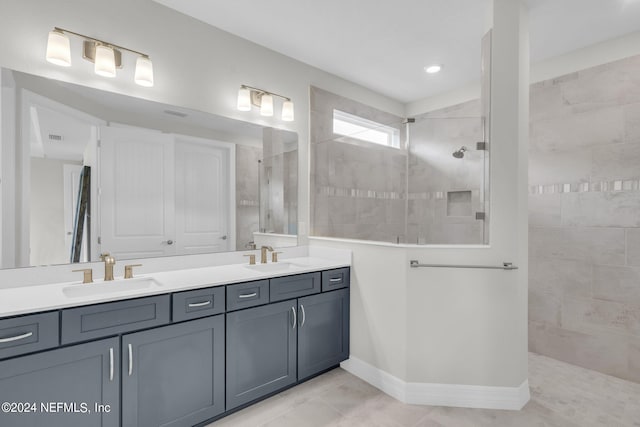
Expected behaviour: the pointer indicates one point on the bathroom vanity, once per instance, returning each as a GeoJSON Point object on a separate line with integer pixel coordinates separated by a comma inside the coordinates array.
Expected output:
{"type": "Point", "coordinates": [178, 348]}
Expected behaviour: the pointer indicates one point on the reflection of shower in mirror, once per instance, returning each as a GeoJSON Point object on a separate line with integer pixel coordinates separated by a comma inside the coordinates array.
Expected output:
{"type": "Point", "coordinates": [460, 153]}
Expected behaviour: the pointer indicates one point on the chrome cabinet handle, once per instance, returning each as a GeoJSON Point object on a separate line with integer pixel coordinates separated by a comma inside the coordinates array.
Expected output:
{"type": "Point", "coordinates": [338, 279]}
{"type": "Point", "coordinates": [16, 338]}
{"type": "Point", "coordinates": [304, 315]}
{"type": "Point", "coordinates": [130, 360]}
{"type": "Point", "coordinates": [248, 295]}
{"type": "Point", "coordinates": [111, 364]}
{"type": "Point", "coordinates": [199, 304]}
{"type": "Point", "coordinates": [223, 238]}
{"type": "Point", "coordinates": [168, 242]}
{"type": "Point", "coordinates": [295, 317]}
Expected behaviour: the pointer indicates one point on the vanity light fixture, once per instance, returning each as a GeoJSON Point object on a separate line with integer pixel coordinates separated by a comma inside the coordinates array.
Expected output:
{"type": "Point", "coordinates": [248, 96]}
{"type": "Point", "coordinates": [107, 57]}
{"type": "Point", "coordinates": [432, 69]}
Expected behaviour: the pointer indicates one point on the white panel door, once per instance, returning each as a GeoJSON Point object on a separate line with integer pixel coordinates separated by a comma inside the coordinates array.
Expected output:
{"type": "Point", "coordinates": [136, 193]}
{"type": "Point", "coordinates": [203, 196]}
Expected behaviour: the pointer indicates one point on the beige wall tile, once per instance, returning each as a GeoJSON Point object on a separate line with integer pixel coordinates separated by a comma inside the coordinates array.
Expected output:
{"type": "Point", "coordinates": [632, 123]}
{"type": "Point", "coordinates": [591, 244]}
{"type": "Point", "coordinates": [634, 361]}
{"type": "Point", "coordinates": [561, 277]}
{"type": "Point", "coordinates": [603, 352]}
{"type": "Point", "coordinates": [601, 209]}
{"type": "Point", "coordinates": [633, 246]}
{"type": "Point", "coordinates": [545, 210]}
{"type": "Point", "coordinates": [544, 307]}
{"type": "Point", "coordinates": [578, 131]}
{"type": "Point", "coordinates": [616, 161]}
{"type": "Point", "coordinates": [614, 83]}
{"type": "Point", "coordinates": [619, 284]}
{"type": "Point", "coordinates": [598, 316]}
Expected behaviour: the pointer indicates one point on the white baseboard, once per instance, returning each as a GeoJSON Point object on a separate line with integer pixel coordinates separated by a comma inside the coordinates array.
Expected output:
{"type": "Point", "coordinates": [464, 396]}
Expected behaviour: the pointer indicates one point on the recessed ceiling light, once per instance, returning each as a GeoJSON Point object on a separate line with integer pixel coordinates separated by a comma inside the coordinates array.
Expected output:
{"type": "Point", "coordinates": [432, 69]}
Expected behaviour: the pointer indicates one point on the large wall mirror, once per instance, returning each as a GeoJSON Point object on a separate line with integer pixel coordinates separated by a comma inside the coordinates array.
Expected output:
{"type": "Point", "coordinates": [86, 172]}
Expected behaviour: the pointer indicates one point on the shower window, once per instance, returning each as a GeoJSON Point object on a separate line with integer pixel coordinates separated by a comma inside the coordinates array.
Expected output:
{"type": "Point", "coordinates": [365, 130]}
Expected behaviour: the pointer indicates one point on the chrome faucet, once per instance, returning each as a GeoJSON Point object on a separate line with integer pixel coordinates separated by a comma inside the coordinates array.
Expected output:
{"type": "Point", "coordinates": [109, 262]}
{"type": "Point", "coordinates": [263, 253]}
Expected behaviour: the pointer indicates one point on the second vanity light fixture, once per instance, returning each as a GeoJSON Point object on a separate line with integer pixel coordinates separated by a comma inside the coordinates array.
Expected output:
{"type": "Point", "coordinates": [263, 99]}
{"type": "Point", "coordinates": [106, 56]}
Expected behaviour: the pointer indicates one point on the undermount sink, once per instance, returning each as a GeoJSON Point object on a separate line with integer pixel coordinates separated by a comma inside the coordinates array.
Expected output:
{"type": "Point", "coordinates": [274, 266]}
{"type": "Point", "coordinates": [110, 287]}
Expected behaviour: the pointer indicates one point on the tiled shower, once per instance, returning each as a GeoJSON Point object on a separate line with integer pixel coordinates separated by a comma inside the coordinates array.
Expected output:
{"type": "Point", "coordinates": [584, 218]}
{"type": "Point", "coordinates": [418, 193]}
{"type": "Point", "coordinates": [584, 203]}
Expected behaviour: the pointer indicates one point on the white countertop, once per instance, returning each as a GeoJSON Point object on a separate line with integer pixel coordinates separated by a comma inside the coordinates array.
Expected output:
{"type": "Point", "coordinates": [32, 299]}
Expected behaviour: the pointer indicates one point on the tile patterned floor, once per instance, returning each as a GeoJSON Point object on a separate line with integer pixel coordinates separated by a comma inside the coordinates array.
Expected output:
{"type": "Point", "coordinates": [562, 395]}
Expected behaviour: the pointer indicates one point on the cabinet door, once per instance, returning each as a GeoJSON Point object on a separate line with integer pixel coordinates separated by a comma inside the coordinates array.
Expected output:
{"type": "Point", "coordinates": [261, 351]}
{"type": "Point", "coordinates": [323, 334]}
{"type": "Point", "coordinates": [173, 375]}
{"type": "Point", "coordinates": [64, 385]}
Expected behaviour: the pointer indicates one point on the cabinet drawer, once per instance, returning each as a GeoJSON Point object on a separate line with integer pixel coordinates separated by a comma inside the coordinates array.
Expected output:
{"type": "Point", "coordinates": [335, 279]}
{"type": "Point", "coordinates": [26, 334]}
{"type": "Point", "coordinates": [289, 287]}
{"type": "Point", "coordinates": [199, 303]}
{"type": "Point", "coordinates": [249, 294]}
{"type": "Point", "coordinates": [94, 321]}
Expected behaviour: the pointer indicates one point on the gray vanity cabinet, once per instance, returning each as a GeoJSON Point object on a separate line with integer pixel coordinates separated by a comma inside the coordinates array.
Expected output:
{"type": "Point", "coordinates": [261, 351]}
{"type": "Point", "coordinates": [79, 377]}
{"type": "Point", "coordinates": [323, 331]}
{"type": "Point", "coordinates": [174, 375]}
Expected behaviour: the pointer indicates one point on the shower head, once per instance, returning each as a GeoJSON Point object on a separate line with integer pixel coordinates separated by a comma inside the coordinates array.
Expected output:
{"type": "Point", "coordinates": [460, 153]}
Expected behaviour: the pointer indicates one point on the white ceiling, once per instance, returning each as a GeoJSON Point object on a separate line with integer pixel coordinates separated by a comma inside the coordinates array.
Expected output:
{"type": "Point", "coordinates": [384, 45]}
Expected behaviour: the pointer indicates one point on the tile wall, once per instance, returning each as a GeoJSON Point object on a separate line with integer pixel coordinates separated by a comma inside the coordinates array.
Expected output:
{"type": "Point", "coordinates": [358, 189]}
{"type": "Point", "coordinates": [363, 191]}
{"type": "Point", "coordinates": [584, 218]}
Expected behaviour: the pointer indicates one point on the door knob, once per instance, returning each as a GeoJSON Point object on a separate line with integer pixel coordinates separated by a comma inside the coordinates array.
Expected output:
{"type": "Point", "coordinates": [168, 242]}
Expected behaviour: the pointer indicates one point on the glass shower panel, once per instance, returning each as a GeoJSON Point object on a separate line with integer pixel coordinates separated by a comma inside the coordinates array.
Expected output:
{"type": "Point", "coordinates": [278, 186]}
{"type": "Point", "coordinates": [446, 177]}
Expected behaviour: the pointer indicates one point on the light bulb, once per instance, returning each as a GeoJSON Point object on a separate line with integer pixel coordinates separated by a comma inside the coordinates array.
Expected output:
{"type": "Point", "coordinates": [266, 106]}
{"type": "Point", "coordinates": [287, 111]}
{"type": "Point", "coordinates": [105, 62]}
{"type": "Point", "coordinates": [432, 69]}
{"type": "Point", "coordinates": [144, 71]}
{"type": "Point", "coordinates": [58, 49]}
{"type": "Point", "coordinates": [244, 99]}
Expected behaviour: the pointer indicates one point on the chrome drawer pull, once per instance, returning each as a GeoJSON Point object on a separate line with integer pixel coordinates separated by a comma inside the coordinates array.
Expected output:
{"type": "Point", "coordinates": [130, 360]}
{"type": "Point", "coordinates": [111, 364]}
{"type": "Point", "coordinates": [16, 338]}
{"type": "Point", "coordinates": [304, 315]}
{"type": "Point", "coordinates": [248, 295]}
{"type": "Point", "coordinates": [336, 279]}
{"type": "Point", "coordinates": [199, 304]}
{"type": "Point", "coordinates": [295, 317]}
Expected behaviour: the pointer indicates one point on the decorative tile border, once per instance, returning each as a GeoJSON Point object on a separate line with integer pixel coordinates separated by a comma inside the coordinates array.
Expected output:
{"type": "Point", "coordinates": [359, 193]}
{"type": "Point", "coordinates": [583, 187]}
